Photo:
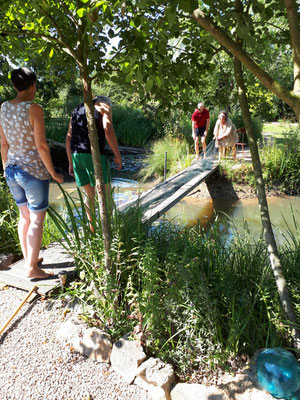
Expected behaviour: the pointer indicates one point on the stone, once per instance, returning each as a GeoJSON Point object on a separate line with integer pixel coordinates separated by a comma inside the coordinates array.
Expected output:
{"type": "Point", "coordinates": [6, 260]}
{"type": "Point", "coordinates": [195, 391]}
{"type": "Point", "coordinates": [156, 377]}
{"type": "Point", "coordinates": [96, 345]}
{"type": "Point", "coordinates": [71, 332]}
{"type": "Point", "coordinates": [126, 356]}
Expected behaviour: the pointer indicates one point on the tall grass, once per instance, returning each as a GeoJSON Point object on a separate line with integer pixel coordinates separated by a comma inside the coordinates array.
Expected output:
{"type": "Point", "coordinates": [178, 158]}
{"type": "Point", "coordinates": [132, 126]}
{"type": "Point", "coordinates": [56, 129]}
{"type": "Point", "coordinates": [197, 298]}
{"type": "Point", "coordinates": [280, 165]}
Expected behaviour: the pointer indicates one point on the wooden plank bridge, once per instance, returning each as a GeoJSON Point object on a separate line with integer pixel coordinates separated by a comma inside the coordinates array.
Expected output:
{"type": "Point", "coordinates": [156, 201]}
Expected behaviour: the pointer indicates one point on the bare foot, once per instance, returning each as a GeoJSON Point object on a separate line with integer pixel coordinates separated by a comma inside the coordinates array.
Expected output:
{"type": "Point", "coordinates": [38, 273]}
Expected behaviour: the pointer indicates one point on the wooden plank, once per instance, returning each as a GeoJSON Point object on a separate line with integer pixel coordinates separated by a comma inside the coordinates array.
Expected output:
{"type": "Point", "coordinates": [159, 199]}
{"type": "Point", "coordinates": [56, 259]}
{"type": "Point", "coordinates": [154, 212]}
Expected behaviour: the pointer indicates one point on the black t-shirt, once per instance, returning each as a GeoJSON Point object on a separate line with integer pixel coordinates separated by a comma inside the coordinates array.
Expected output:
{"type": "Point", "coordinates": [80, 142]}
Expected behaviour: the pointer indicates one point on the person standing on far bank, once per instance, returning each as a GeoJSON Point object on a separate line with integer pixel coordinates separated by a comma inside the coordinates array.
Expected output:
{"type": "Point", "coordinates": [27, 165]}
{"type": "Point", "coordinates": [200, 126]}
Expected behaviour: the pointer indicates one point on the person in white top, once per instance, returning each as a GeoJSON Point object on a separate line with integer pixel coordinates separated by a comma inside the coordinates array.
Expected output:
{"type": "Point", "coordinates": [27, 165]}
{"type": "Point", "coordinates": [225, 135]}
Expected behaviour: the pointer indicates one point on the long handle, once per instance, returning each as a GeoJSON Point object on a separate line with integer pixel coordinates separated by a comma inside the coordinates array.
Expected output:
{"type": "Point", "coordinates": [18, 309]}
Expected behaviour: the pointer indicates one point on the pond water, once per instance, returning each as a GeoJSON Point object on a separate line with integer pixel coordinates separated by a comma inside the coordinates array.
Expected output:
{"type": "Point", "coordinates": [284, 210]}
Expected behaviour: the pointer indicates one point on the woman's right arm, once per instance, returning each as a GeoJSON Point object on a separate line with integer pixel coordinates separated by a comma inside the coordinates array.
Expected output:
{"type": "Point", "coordinates": [216, 129]}
{"type": "Point", "coordinates": [36, 119]}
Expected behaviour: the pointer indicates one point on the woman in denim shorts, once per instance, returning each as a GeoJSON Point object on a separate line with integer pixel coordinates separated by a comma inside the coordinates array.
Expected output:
{"type": "Point", "coordinates": [27, 165]}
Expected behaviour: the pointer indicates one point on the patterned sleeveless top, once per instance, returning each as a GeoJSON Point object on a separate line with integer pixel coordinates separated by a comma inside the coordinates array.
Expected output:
{"type": "Point", "coordinates": [22, 151]}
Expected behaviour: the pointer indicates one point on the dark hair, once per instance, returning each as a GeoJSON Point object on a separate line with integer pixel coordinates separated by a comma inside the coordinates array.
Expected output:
{"type": "Point", "coordinates": [223, 112]}
{"type": "Point", "coordinates": [23, 78]}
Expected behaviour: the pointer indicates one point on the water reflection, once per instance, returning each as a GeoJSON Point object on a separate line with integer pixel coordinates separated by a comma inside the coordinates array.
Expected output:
{"type": "Point", "coordinates": [284, 214]}
{"type": "Point", "coordinates": [284, 210]}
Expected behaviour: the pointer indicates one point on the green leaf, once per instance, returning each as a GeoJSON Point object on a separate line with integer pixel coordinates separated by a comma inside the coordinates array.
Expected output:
{"type": "Point", "coordinates": [51, 53]}
{"type": "Point", "coordinates": [148, 63]}
{"type": "Point", "coordinates": [149, 85]}
{"type": "Point", "coordinates": [111, 33]}
{"type": "Point", "coordinates": [187, 5]}
{"type": "Point", "coordinates": [171, 16]}
{"type": "Point", "coordinates": [80, 12]}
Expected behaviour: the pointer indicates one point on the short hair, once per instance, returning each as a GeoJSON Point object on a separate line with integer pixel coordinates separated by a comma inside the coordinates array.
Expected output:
{"type": "Point", "coordinates": [223, 112]}
{"type": "Point", "coordinates": [103, 99]}
{"type": "Point", "coordinates": [23, 78]}
{"type": "Point", "coordinates": [200, 103]}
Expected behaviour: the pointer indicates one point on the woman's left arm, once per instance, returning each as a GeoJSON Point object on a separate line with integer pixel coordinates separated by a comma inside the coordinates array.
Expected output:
{"type": "Point", "coordinates": [4, 147]}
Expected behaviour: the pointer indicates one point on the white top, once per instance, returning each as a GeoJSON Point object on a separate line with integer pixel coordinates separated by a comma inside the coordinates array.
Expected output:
{"type": "Point", "coordinates": [225, 134]}
{"type": "Point", "coordinates": [14, 119]}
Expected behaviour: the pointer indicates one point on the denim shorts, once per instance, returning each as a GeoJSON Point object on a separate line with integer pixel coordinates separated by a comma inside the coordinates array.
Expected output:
{"type": "Point", "coordinates": [26, 189]}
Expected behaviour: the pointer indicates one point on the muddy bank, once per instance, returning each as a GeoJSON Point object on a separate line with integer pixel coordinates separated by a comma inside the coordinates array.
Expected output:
{"type": "Point", "coordinates": [218, 188]}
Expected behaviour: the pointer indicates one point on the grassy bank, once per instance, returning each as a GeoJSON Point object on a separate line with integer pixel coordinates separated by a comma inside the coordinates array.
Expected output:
{"type": "Point", "coordinates": [196, 299]}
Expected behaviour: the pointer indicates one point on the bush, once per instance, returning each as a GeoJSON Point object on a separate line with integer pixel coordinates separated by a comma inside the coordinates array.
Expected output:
{"type": "Point", "coordinates": [280, 165]}
{"type": "Point", "coordinates": [132, 127]}
{"type": "Point", "coordinates": [196, 298]}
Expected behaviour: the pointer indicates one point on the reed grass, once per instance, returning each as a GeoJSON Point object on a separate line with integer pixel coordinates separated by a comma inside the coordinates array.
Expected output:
{"type": "Point", "coordinates": [199, 298]}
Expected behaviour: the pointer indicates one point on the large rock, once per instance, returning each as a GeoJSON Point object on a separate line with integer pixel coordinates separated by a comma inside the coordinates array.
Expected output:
{"type": "Point", "coordinates": [240, 387]}
{"type": "Point", "coordinates": [126, 356]}
{"type": "Point", "coordinates": [194, 391]}
{"type": "Point", "coordinates": [71, 332]}
{"type": "Point", "coordinates": [96, 345]}
{"type": "Point", "coordinates": [156, 377]}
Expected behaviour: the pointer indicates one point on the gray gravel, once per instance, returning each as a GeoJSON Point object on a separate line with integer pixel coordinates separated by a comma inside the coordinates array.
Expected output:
{"type": "Point", "coordinates": [35, 366]}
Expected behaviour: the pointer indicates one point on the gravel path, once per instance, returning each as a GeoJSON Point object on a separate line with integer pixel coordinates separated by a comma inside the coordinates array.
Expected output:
{"type": "Point", "coordinates": [35, 366]}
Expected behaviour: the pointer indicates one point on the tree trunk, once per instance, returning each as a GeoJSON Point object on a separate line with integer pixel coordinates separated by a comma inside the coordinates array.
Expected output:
{"type": "Point", "coordinates": [264, 211]}
{"type": "Point", "coordinates": [100, 185]}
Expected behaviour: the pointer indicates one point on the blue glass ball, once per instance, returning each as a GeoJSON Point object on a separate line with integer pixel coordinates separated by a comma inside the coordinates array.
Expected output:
{"type": "Point", "coordinates": [278, 372]}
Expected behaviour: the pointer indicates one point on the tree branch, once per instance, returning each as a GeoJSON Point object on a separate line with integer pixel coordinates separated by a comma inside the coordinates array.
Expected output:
{"type": "Point", "coordinates": [47, 38]}
{"type": "Point", "coordinates": [236, 50]}
{"type": "Point", "coordinates": [69, 49]}
{"type": "Point", "coordinates": [70, 16]}
{"type": "Point", "coordinates": [293, 19]}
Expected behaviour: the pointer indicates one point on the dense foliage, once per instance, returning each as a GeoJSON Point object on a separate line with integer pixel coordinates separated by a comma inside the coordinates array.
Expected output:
{"type": "Point", "coordinates": [280, 165]}
{"type": "Point", "coordinates": [217, 297]}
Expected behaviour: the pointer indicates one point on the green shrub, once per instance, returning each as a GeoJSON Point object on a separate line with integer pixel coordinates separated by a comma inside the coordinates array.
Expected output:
{"type": "Point", "coordinates": [132, 127]}
{"type": "Point", "coordinates": [281, 163]}
{"type": "Point", "coordinates": [197, 298]}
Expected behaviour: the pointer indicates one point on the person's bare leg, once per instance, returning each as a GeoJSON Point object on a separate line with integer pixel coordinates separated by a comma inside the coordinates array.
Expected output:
{"type": "Point", "coordinates": [23, 225]}
{"type": "Point", "coordinates": [233, 151]}
{"type": "Point", "coordinates": [33, 244]}
{"type": "Point", "coordinates": [203, 145]}
{"type": "Point", "coordinates": [197, 146]}
{"type": "Point", "coordinates": [89, 203]}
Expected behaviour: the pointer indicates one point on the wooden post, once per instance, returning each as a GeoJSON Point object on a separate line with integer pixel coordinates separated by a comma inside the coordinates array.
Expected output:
{"type": "Point", "coordinates": [165, 169]}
